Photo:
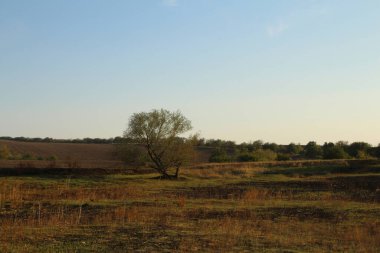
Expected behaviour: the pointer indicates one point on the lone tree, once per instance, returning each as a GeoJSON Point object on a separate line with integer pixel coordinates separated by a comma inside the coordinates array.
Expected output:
{"type": "Point", "coordinates": [153, 138]}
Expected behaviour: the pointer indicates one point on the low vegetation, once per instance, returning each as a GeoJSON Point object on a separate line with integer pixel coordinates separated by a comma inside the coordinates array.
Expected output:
{"type": "Point", "coordinates": [313, 208]}
{"type": "Point", "coordinates": [227, 151]}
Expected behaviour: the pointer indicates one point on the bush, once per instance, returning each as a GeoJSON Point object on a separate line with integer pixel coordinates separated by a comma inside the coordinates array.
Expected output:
{"type": "Point", "coordinates": [313, 151]}
{"type": "Point", "coordinates": [377, 151]}
{"type": "Point", "coordinates": [264, 155]}
{"type": "Point", "coordinates": [294, 149]}
{"type": "Point", "coordinates": [220, 156]}
{"type": "Point", "coordinates": [283, 157]}
{"type": "Point", "coordinates": [133, 155]}
{"type": "Point", "coordinates": [15, 156]}
{"type": "Point", "coordinates": [245, 157]}
{"type": "Point", "coordinates": [52, 158]}
{"type": "Point", "coordinates": [363, 155]}
{"type": "Point", "coordinates": [332, 151]}
{"type": "Point", "coordinates": [359, 149]}
{"type": "Point", "coordinates": [27, 157]}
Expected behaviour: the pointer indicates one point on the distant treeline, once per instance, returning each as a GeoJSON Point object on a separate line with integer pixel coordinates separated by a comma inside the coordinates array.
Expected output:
{"type": "Point", "coordinates": [229, 151]}
{"type": "Point", "coordinates": [51, 140]}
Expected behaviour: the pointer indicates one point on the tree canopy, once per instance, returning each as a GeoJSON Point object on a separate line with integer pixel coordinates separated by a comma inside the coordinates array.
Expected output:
{"type": "Point", "coordinates": [159, 133]}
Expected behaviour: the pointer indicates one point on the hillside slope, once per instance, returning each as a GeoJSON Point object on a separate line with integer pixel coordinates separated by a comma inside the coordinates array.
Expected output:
{"type": "Point", "coordinates": [81, 152]}
{"type": "Point", "coordinates": [63, 151]}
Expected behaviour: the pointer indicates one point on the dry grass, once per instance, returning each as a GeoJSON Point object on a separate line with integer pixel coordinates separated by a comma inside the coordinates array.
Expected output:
{"type": "Point", "coordinates": [220, 172]}
{"type": "Point", "coordinates": [296, 163]}
{"type": "Point", "coordinates": [122, 213]}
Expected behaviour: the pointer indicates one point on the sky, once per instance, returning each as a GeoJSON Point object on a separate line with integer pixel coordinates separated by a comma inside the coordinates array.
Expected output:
{"type": "Point", "coordinates": [242, 70]}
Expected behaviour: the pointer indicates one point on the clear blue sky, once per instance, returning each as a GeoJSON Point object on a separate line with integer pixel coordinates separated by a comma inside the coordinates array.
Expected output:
{"type": "Point", "coordinates": [281, 71]}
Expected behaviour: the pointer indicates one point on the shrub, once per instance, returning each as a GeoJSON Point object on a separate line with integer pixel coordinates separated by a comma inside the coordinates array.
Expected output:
{"type": "Point", "coordinates": [283, 157]}
{"type": "Point", "coordinates": [359, 149]}
{"type": "Point", "coordinates": [220, 156]}
{"type": "Point", "coordinates": [15, 156]}
{"type": "Point", "coordinates": [313, 150]}
{"type": "Point", "coordinates": [245, 157]}
{"type": "Point", "coordinates": [27, 157]}
{"type": "Point", "coordinates": [294, 149]}
{"type": "Point", "coordinates": [332, 151]}
{"type": "Point", "coordinates": [264, 155]}
{"type": "Point", "coordinates": [361, 154]}
{"type": "Point", "coordinates": [272, 146]}
{"type": "Point", "coordinates": [52, 158]}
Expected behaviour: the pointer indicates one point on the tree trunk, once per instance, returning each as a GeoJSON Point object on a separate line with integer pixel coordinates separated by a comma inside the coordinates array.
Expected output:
{"type": "Point", "coordinates": [165, 175]}
{"type": "Point", "coordinates": [176, 172]}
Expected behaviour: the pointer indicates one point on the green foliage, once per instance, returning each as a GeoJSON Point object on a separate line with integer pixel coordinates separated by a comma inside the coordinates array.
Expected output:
{"type": "Point", "coordinates": [294, 149]}
{"type": "Point", "coordinates": [52, 158]}
{"type": "Point", "coordinates": [271, 146]}
{"type": "Point", "coordinates": [283, 157]}
{"type": "Point", "coordinates": [159, 133]}
{"type": "Point", "coordinates": [313, 150]}
{"type": "Point", "coordinates": [245, 157]}
{"type": "Point", "coordinates": [363, 155]}
{"type": "Point", "coordinates": [256, 145]}
{"type": "Point", "coordinates": [133, 155]}
{"type": "Point", "coordinates": [219, 156]}
{"type": "Point", "coordinates": [359, 149]}
{"type": "Point", "coordinates": [332, 151]}
{"type": "Point", "coordinates": [264, 155]}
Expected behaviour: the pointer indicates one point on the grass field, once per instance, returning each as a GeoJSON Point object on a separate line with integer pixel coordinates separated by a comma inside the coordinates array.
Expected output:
{"type": "Point", "coordinates": [253, 209]}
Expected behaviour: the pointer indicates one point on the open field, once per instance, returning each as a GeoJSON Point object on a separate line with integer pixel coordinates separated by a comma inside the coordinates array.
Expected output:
{"type": "Point", "coordinates": [277, 209]}
{"type": "Point", "coordinates": [63, 151]}
{"type": "Point", "coordinates": [88, 155]}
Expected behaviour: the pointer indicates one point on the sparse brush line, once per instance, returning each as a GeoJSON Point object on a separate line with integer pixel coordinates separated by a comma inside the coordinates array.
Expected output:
{"type": "Point", "coordinates": [293, 163]}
